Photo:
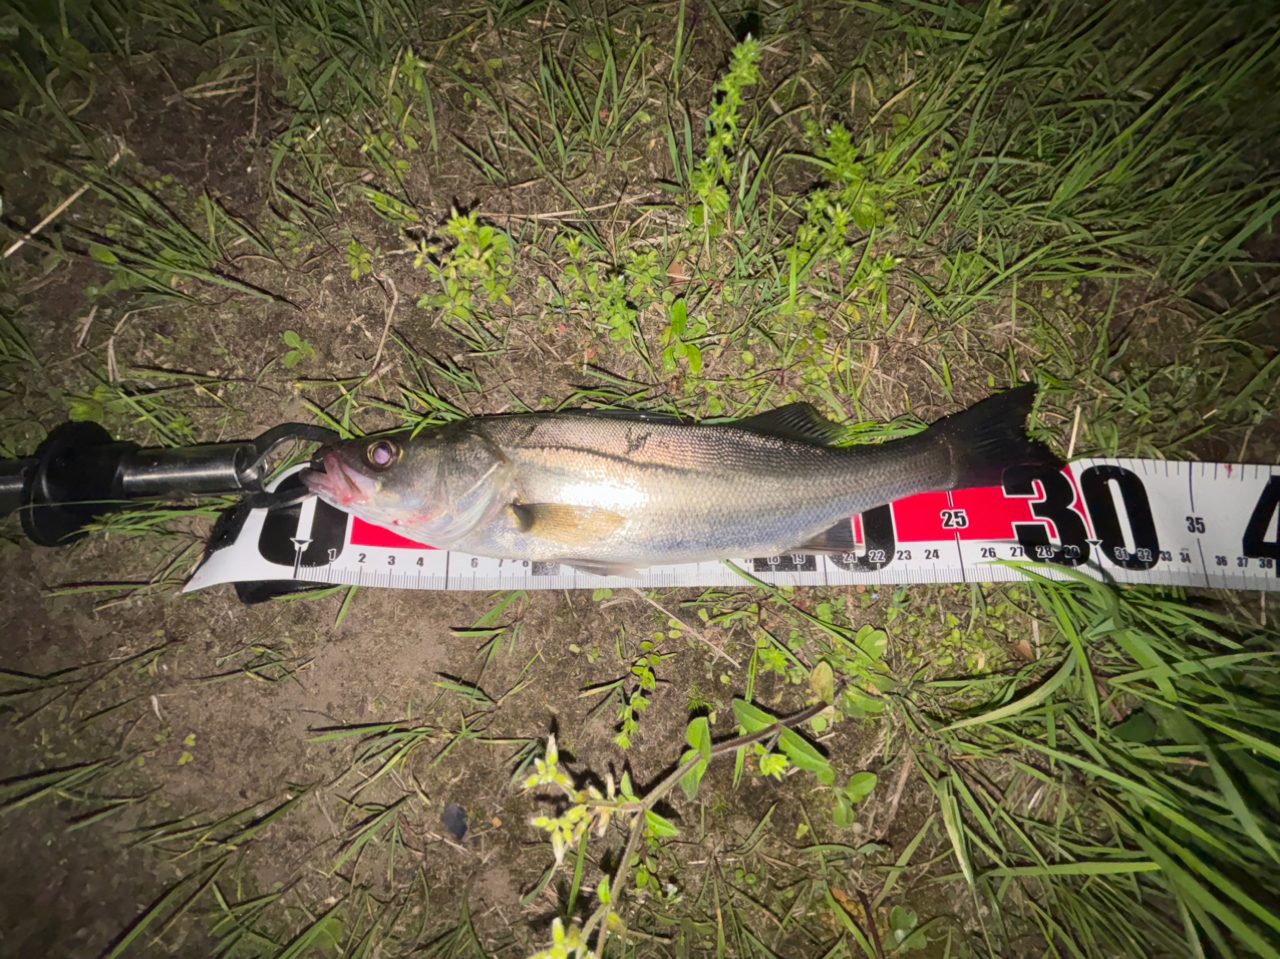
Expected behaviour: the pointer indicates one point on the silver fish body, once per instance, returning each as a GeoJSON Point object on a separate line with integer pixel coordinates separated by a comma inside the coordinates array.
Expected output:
{"type": "Point", "coordinates": [611, 493]}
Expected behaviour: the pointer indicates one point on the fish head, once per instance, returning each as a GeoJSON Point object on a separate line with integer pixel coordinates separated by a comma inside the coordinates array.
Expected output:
{"type": "Point", "coordinates": [435, 487]}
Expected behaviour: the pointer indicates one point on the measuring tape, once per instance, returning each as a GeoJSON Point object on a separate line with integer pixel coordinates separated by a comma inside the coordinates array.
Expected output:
{"type": "Point", "coordinates": [1123, 520]}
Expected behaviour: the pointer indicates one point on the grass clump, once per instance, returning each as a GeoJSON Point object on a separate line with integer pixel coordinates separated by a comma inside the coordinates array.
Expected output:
{"type": "Point", "coordinates": [473, 274]}
{"type": "Point", "coordinates": [1116, 795]}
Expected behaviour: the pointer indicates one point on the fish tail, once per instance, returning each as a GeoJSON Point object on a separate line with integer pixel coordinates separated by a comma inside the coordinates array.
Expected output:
{"type": "Point", "coordinates": [991, 436]}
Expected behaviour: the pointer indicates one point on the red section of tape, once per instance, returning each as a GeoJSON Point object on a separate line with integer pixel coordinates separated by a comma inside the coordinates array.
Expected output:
{"type": "Point", "coordinates": [991, 514]}
{"type": "Point", "coordinates": [918, 519]}
{"type": "Point", "coordinates": [366, 534]}
{"type": "Point", "coordinates": [982, 513]}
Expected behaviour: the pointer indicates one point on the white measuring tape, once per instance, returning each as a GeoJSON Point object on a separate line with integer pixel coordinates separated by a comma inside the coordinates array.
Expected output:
{"type": "Point", "coordinates": [1124, 520]}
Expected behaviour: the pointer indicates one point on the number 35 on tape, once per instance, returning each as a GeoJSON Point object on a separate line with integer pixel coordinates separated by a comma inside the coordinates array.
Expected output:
{"type": "Point", "coordinates": [1124, 520]}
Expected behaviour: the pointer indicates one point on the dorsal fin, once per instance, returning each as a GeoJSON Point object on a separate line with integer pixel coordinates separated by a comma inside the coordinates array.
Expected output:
{"type": "Point", "coordinates": [796, 421]}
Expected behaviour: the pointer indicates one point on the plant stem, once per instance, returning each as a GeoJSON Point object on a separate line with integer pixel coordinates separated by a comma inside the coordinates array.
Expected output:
{"type": "Point", "coordinates": [601, 915]}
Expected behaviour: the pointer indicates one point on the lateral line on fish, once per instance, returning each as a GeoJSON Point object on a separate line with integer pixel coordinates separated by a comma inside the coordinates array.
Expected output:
{"type": "Point", "coordinates": [629, 461]}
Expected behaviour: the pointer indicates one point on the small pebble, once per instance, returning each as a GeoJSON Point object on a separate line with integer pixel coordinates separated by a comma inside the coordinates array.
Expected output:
{"type": "Point", "coordinates": [454, 818]}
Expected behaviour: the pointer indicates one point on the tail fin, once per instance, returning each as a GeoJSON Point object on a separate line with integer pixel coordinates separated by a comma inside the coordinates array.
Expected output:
{"type": "Point", "coordinates": [991, 436]}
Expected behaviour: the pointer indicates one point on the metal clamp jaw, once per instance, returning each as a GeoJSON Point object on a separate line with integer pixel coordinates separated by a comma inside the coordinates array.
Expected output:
{"type": "Point", "coordinates": [80, 473]}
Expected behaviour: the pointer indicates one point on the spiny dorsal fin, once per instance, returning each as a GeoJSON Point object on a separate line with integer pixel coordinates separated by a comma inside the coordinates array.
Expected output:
{"type": "Point", "coordinates": [796, 421]}
{"type": "Point", "coordinates": [571, 525]}
{"type": "Point", "coordinates": [837, 539]}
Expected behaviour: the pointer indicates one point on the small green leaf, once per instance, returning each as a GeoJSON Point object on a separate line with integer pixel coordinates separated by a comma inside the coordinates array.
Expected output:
{"type": "Point", "coordinates": [679, 317]}
{"type": "Point", "coordinates": [751, 718]}
{"type": "Point", "coordinates": [857, 703]}
{"type": "Point", "coordinates": [772, 764]}
{"type": "Point", "coordinates": [823, 682]}
{"type": "Point", "coordinates": [602, 891]}
{"type": "Point", "coordinates": [902, 919]}
{"type": "Point", "coordinates": [861, 785]}
{"type": "Point", "coordinates": [625, 789]}
{"type": "Point", "coordinates": [694, 356]}
{"type": "Point", "coordinates": [659, 826]}
{"type": "Point", "coordinates": [327, 933]}
{"type": "Point", "coordinates": [693, 778]}
{"type": "Point", "coordinates": [803, 754]}
{"type": "Point", "coordinates": [872, 641]}
{"type": "Point", "coordinates": [291, 338]}
{"type": "Point", "coordinates": [698, 735]}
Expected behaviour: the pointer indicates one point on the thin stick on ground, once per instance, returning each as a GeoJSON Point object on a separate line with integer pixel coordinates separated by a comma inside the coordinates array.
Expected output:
{"type": "Point", "coordinates": [697, 632]}
{"type": "Point", "coordinates": [907, 762]}
{"type": "Point", "coordinates": [561, 214]}
{"type": "Point", "coordinates": [19, 243]}
{"type": "Point", "coordinates": [1075, 431]}
{"type": "Point", "coordinates": [386, 326]}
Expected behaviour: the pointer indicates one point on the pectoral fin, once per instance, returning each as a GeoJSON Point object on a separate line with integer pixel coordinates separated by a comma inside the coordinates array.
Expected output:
{"type": "Point", "coordinates": [571, 525]}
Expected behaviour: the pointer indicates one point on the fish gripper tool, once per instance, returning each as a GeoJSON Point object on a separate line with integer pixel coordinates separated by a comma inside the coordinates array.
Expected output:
{"type": "Point", "coordinates": [80, 473]}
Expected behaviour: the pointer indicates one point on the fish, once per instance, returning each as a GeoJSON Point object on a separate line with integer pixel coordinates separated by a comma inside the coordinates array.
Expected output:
{"type": "Point", "coordinates": [611, 492]}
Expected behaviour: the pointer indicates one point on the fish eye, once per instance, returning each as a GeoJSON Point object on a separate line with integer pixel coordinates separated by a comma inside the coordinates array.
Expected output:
{"type": "Point", "coordinates": [382, 454]}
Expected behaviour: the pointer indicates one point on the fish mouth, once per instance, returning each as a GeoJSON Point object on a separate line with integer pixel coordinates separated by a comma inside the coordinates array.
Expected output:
{"type": "Point", "coordinates": [338, 483]}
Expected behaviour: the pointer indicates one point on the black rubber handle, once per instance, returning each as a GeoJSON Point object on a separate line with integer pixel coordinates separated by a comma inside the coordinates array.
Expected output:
{"type": "Point", "coordinates": [80, 473]}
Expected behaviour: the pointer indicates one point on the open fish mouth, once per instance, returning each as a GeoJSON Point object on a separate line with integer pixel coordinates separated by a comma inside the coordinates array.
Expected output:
{"type": "Point", "coordinates": [338, 483]}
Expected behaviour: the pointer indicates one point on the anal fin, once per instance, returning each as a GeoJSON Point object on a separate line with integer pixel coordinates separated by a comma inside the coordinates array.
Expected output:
{"type": "Point", "coordinates": [597, 568]}
{"type": "Point", "coordinates": [835, 539]}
